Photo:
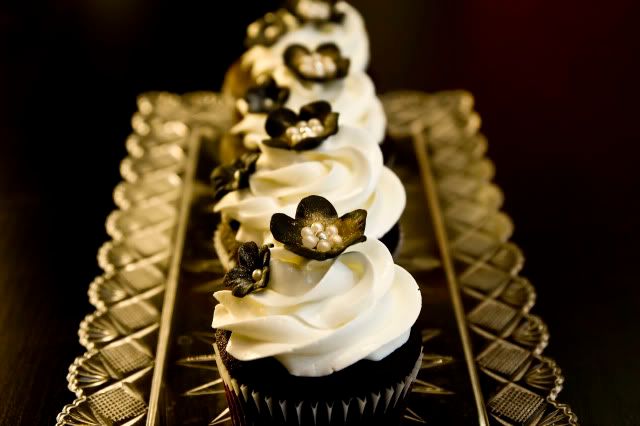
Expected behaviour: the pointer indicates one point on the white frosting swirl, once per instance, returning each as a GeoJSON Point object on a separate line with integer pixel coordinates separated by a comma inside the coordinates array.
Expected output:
{"type": "Point", "coordinates": [350, 36]}
{"type": "Point", "coordinates": [354, 97]}
{"type": "Point", "coordinates": [320, 317]}
{"type": "Point", "coordinates": [346, 169]}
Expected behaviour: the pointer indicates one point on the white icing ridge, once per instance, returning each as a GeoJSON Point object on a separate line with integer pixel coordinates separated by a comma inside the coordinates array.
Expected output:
{"type": "Point", "coordinates": [318, 317]}
{"type": "Point", "coordinates": [347, 169]}
{"type": "Point", "coordinates": [353, 97]}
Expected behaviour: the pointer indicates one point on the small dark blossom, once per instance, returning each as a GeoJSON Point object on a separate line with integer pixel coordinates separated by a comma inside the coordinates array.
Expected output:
{"type": "Point", "coordinates": [266, 97]}
{"type": "Point", "coordinates": [324, 64]}
{"type": "Point", "coordinates": [251, 273]}
{"type": "Point", "coordinates": [317, 232]}
{"type": "Point", "coordinates": [232, 177]}
{"type": "Point", "coordinates": [303, 131]}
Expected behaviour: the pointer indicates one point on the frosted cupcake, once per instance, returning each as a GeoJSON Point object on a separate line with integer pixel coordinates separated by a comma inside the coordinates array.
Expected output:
{"type": "Point", "coordinates": [307, 34]}
{"type": "Point", "coordinates": [309, 75]}
{"type": "Point", "coordinates": [306, 153]}
{"type": "Point", "coordinates": [307, 22]}
{"type": "Point", "coordinates": [314, 334]}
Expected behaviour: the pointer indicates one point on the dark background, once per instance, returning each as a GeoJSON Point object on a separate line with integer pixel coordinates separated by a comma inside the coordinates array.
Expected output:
{"type": "Point", "coordinates": [556, 83]}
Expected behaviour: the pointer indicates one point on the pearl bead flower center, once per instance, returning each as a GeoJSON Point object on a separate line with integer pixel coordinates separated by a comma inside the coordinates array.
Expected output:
{"type": "Point", "coordinates": [303, 130]}
{"type": "Point", "coordinates": [267, 103]}
{"type": "Point", "coordinates": [318, 66]}
{"type": "Point", "coordinates": [268, 26]}
{"type": "Point", "coordinates": [256, 275]}
{"type": "Point", "coordinates": [320, 238]}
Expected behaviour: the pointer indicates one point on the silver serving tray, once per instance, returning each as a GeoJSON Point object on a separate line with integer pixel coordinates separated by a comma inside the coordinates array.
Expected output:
{"type": "Point", "coordinates": [149, 358]}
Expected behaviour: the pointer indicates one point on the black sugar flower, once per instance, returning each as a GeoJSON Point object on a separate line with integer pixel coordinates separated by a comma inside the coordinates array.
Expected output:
{"type": "Point", "coordinates": [266, 97]}
{"type": "Point", "coordinates": [315, 11]}
{"type": "Point", "coordinates": [324, 64]}
{"type": "Point", "coordinates": [303, 131]}
{"type": "Point", "coordinates": [317, 232]}
{"type": "Point", "coordinates": [268, 29]}
{"type": "Point", "coordinates": [232, 177]}
{"type": "Point", "coordinates": [251, 273]}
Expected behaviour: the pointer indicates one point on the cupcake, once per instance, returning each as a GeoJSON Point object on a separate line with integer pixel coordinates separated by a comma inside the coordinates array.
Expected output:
{"type": "Point", "coordinates": [307, 22]}
{"type": "Point", "coordinates": [306, 51]}
{"type": "Point", "coordinates": [305, 76]}
{"type": "Point", "coordinates": [251, 113]}
{"type": "Point", "coordinates": [317, 334]}
{"type": "Point", "coordinates": [305, 153]}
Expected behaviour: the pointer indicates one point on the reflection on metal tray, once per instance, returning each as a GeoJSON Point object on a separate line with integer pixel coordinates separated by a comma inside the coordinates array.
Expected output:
{"type": "Point", "coordinates": [149, 356]}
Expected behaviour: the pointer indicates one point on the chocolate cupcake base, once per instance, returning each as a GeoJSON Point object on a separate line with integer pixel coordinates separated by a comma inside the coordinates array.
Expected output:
{"type": "Point", "coordinates": [262, 392]}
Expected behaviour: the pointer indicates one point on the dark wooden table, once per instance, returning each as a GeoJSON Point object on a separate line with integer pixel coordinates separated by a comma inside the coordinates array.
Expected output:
{"type": "Point", "coordinates": [556, 84]}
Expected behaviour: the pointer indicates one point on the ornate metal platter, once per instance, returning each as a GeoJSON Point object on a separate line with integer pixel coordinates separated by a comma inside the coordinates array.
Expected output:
{"type": "Point", "coordinates": [149, 356]}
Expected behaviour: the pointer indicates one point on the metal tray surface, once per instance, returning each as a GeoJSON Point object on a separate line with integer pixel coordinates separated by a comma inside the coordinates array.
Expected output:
{"type": "Point", "coordinates": [149, 356]}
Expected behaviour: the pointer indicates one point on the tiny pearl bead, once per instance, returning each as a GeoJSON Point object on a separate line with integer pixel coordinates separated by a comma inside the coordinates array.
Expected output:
{"type": "Point", "coordinates": [292, 131]}
{"type": "Point", "coordinates": [314, 122]}
{"type": "Point", "coordinates": [268, 103]}
{"type": "Point", "coordinates": [335, 239]}
{"type": "Point", "coordinates": [317, 129]}
{"type": "Point", "coordinates": [318, 68]}
{"type": "Point", "coordinates": [256, 274]}
{"type": "Point", "coordinates": [322, 236]}
{"type": "Point", "coordinates": [296, 138]}
{"type": "Point", "coordinates": [301, 124]}
{"type": "Point", "coordinates": [332, 230]}
{"type": "Point", "coordinates": [324, 246]}
{"type": "Point", "coordinates": [317, 227]}
{"type": "Point", "coordinates": [306, 231]}
{"type": "Point", "coordinates": [307, 68]}
{"type": "Point", "coordinates": [329, 66]}
{"type": "Point", "coordinates": [236, 175]}
{"type": "Point", "coordinates": [309, 241]}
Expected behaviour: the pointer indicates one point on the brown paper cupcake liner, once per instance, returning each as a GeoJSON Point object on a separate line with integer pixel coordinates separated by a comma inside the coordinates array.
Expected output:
{"type": "Point", "coordinates": [382, 406]}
